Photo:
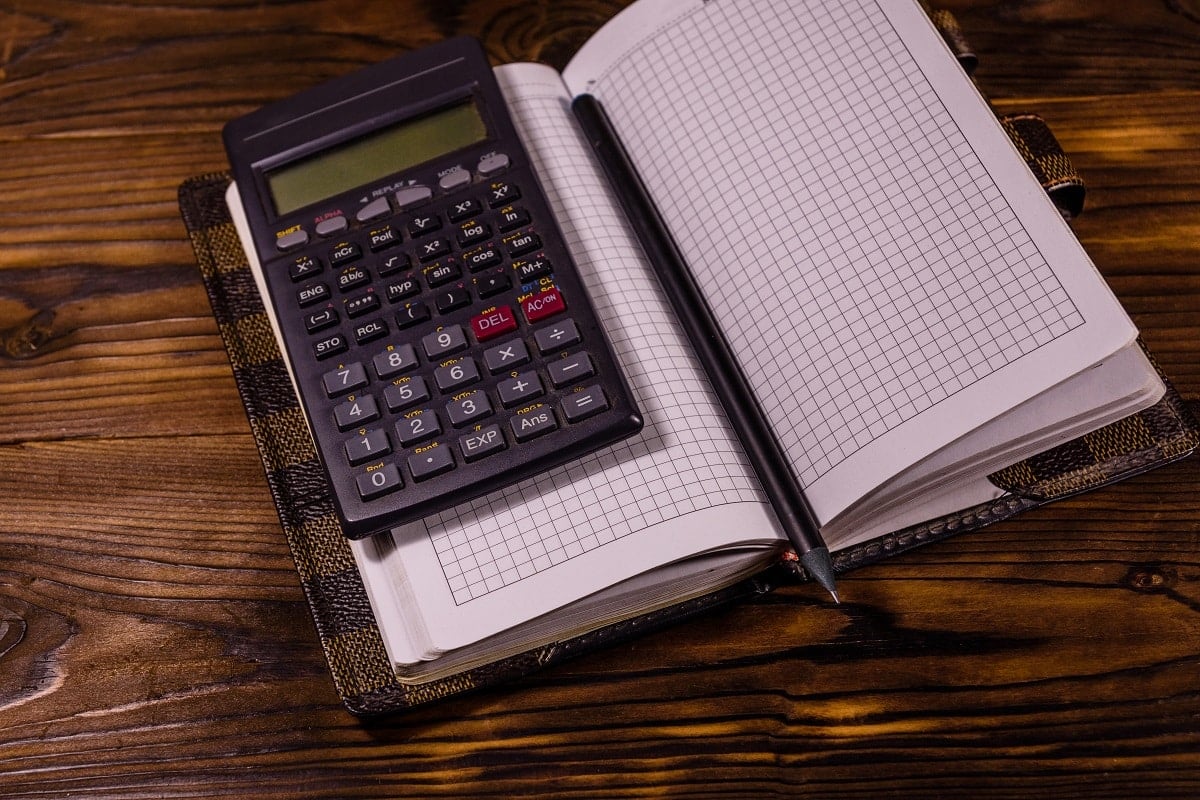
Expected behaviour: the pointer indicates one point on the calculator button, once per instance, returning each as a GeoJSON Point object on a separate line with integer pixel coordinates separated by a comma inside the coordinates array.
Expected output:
{"type": "Point", "coordinates": [352, 277]}
{"type": "Point", "coordinates": [370, 331]}
{"type": "Point", "coordinates": [433, 460]}
{"type": "Point", "coordinates": [454, 376]}
{"type": "Point", "coordinates": [462, 209]}
{"type": "Point", "coordinates": [501, 194]}
{"type": "Point", "coordinates": [320, 320]}
{"type": "Point", "coordinates": [363, 304]}
{"type": "Point", "coordinates": [505, 356]}
{"type": "Point", "coordinates": [454, 179]}
{"type": "Point", "coordinates": [344, 379]}
{"type": "Point", "coordinates": [423, 224]}
{"type": "Point", "coordinates": [490, 166]}
{"type": "Point", "coordinates": [315, 293]}
{"type": "Point", "coordinates": [489, 285]}
{"type": "Point", "coordinates": [383, 238]}
{"type": "Point", "coordinates": [330, 346]}
{"type": "Point", "coordinates": [452, 299]}
{"type": "Point", "coordinates": [482, 258]}
{"type": "Point", "coordinates": [445, 342]}
{"type": "Point", "coordinates": [367, 445]}
{"type": "Point", "coordinates": [581, 405]}
{"type": "Point", "coordinates": [412, 313]}
{"type": "Point", "coordinates": [402, 289]}
{"type": "Point", "coordinates": [412, 196]}
{"type": "Point", "coordinates": [482, 443]}
{"type": "Point", "coordinates": [331, 225]}
{"type": "Point", "coordinates": [417, 426]}
{"type": "Point", "coordinates": [356, 412]}
{"type": "Point", "coordinates": [394, 361]}
{"type": "Point", "coordinates": [378, 482]}
{"type": "Point", "coordinates": [433, 248]}
{"type": "Point", "coordinates": [566, 371]}
{"type": "Point", "coordinates": [303, 267]}
{"type": "Point", "coordinates": [393, 264]}
{"type": "Point", "coordinates": [522, 243]}
{"type": "Point", "coordinates": [532, 270]}
{"type": "Point", "coordinates": [375, 209]}
{"type": "Point", "coordinates": [468, 408]}
{"type": "Point", "coordinates": [471, 232]}
{"type": "Point", "coordinates": [490, 324]}
{"type": "Point", "coordinates": [533, 424]}
{"type": "Point", "coordinates": [346, 251]}
{"type": "Point", "coordinates": [512, 218]}
{"type": "Point", "coordinates": [405, 394]}
{"type": "Point", "coordinates": [292, 240]}
{"type": "Point", "coordinates": [557, 336]}
{"type": "Point", "coordinates": [441, 273]}
{"type": "Point", "coordinates": [543, 305]}
{"type": "Point", "coordinates": [524, 386]}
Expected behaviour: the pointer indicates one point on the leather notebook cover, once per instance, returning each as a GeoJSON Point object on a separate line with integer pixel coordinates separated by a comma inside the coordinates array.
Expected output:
{"type": "Point", "coordinates": [336, 597]}
{"type": "Point", "coordinates": [337, 600]}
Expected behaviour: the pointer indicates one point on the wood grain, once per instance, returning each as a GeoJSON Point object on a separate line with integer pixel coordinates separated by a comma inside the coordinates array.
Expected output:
{"type": "Point", "coordinates": [154, 641]}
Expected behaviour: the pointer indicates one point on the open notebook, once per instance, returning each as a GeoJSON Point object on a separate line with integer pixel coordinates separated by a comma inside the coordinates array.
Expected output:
{"type": "Point", "coordinates": [910, 310]}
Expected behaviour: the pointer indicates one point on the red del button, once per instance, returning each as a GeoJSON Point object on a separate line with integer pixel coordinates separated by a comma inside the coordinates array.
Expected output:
{"type": "Point", "coordinates": [491, 324]}
{"type": "Point", "coordinates": [543, 304]}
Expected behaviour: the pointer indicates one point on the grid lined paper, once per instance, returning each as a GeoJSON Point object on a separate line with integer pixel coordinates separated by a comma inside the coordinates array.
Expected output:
{"type": "Point", "coordinates": [685, 459]}
{"type": "Point", "coordinates": [862, 263]}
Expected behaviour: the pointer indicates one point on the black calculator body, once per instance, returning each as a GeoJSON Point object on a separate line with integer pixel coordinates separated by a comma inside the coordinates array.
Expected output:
{"type": "Point", "coordinates": [439, 335]}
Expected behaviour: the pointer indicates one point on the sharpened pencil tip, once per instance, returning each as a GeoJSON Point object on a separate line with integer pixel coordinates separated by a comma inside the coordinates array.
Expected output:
{"type": "Point", "coordinates": [820, 567]}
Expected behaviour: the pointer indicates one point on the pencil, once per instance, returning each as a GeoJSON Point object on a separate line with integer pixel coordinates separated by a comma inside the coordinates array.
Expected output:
{"type": "Point", "coordinates": [783, 492]}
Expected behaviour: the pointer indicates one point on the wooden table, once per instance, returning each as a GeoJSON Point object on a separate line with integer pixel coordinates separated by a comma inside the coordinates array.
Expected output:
{"type": "Point", "coordinates": [154, 641]}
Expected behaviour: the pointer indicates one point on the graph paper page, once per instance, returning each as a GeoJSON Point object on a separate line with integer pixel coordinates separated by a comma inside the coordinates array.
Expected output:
{"type": "Point", "coordinates": [679, 488]}
{"type": "Point", "coordinates": [887, 271]}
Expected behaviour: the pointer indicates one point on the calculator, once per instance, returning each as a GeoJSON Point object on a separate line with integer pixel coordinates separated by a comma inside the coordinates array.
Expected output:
{"type": "Point", "coordinates": [435, 326]}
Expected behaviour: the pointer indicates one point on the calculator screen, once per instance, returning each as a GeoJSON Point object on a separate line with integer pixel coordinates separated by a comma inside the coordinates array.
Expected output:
{"type": "Point", "coordinates": [374, 156]}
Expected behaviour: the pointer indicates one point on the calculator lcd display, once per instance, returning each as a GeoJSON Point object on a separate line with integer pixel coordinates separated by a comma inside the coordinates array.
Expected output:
{"type": "Point", "coordinates": [375, 156]}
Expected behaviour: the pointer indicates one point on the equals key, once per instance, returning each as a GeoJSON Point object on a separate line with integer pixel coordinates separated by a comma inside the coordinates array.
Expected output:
{"type": "Point", "coordinates": [584, 403]}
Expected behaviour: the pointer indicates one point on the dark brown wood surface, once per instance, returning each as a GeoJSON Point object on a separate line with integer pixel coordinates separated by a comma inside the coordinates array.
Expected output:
{"type": "Point", "coordinates": [154, 641]}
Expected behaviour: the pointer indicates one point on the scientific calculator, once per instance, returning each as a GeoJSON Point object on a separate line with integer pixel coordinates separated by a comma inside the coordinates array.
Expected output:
{"type": "Point", "coordinates": [437, 330]}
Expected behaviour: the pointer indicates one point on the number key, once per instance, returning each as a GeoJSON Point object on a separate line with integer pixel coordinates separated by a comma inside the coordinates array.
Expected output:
{"type": "Point", "coordinates": [448, 340]}
{"type": "Point", "coordinates": [394, 361]}
{"type": "Point", "coordinates": [356, 412]}
{"type": "Point", "coordinates": [417, 426]}
{"type": "Point", "coordinates": [406, 393]}
{"type": "Point", "coordinates": [367, 445]}
{"type": "Point", "coordinates": [468, 408]}
{"type": "Point", "coordinates": [344, 379]}
{"type": "Point", "coordinates": [452, 376]}
{"type": "Point", "coordinates": [378, 482]}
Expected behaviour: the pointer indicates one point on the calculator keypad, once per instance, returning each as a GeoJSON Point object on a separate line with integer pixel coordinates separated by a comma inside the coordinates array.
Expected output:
{"type": "Point", "coordinates": [446, 337]}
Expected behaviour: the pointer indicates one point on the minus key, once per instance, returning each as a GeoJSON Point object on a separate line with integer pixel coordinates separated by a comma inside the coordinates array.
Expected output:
{"type": "Point", "coordinates": [568, 370]}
